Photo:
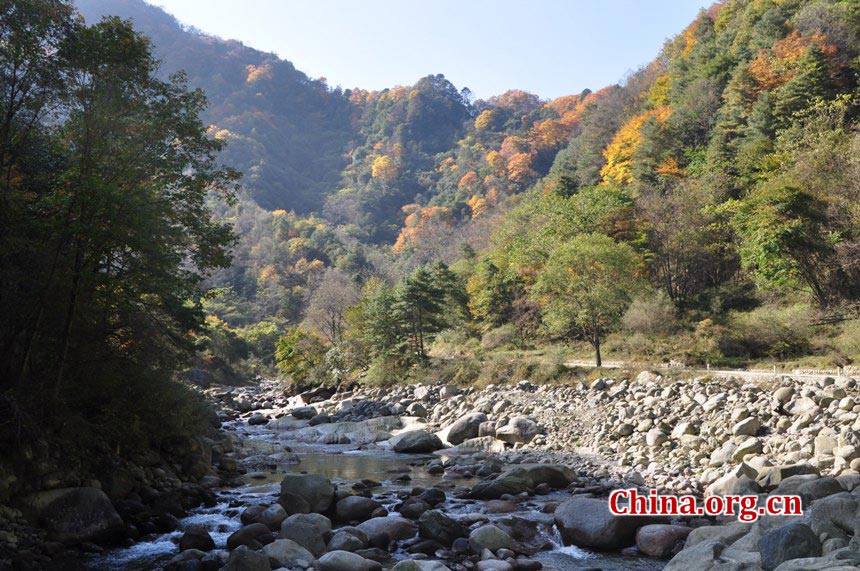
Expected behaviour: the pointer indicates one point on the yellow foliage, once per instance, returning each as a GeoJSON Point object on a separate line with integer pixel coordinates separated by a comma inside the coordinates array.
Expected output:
{"type": "Point", "coordinates": [279, 212]}
{"type": "Point", "coordinates": [420, 223]}
{"type": "Point", "coordinates": [519, 167]}
{"type": "Point", "coordinates": [513, 145]}
{"type": "Point", "coordinates": [658, 95]}
{"type": "Point", "coordinates": [267, 274]}
{"type": "Point", "coordinates": [484, 120]}
{"type": "Point", "coordinates": [689, 38]}
{"type": "Point", "coordinates": [469, 181]}
{"type": "Point", "coordinates": [550, 134]}
{"type": "Point", "coordinates": [670, 167]}
{"type": "Point", "coordinates": [448, 163]}
{"type": "Point", "coordinates": [619, 153]}
{"type": "Point", "coordinates": [478, 205]}
{"type": "Point", "coordinates": [384, 168]}
{"type": "Point", "coordinates": [258, 72]}
{"type": "Point", "coordinates": [496, 162]}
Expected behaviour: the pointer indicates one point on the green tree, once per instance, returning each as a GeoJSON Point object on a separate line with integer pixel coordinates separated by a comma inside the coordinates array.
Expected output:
{"type": "Point", "coordinates": [299, 354]}
{"type": "Point", "coordinates": [783, 238]}
{"type": "Point", "coordinates": [419, 303]}
{"type": "Point", "coordinates": [586, 286]}
{"type": "Point", "coordinates": [491, 294]}
{"type": "Point", "coordinates": [115, 232]}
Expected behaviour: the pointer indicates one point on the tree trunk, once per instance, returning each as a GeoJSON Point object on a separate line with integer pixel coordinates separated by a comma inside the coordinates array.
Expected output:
{"type": "Point", "coordinates": [596, 344]}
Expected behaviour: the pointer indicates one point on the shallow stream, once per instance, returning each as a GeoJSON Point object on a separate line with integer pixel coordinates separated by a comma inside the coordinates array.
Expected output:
{"type": "Point", "coordinates": [345, 466]}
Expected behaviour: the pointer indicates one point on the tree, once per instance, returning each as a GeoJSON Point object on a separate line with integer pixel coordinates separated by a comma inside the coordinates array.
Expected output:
{"type": "Point", "coordinates": [118, 234]}
{"type": "Point", "coordinates": [418, 306]}
{"type": "Point", "coordinates": [326, 312]}
{"type": "Point", "coordinates": [298, 354]}
{"type": "Point", "coordinates": [491, 294]}
{"type": "Point", "coordinates": [783, 239]}
{"type": "Point", "coordinates": [586, 286]}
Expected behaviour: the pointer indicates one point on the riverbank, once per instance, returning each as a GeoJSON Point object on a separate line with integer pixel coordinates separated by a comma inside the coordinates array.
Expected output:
{"type": "Point", "coordinates": [530, 466]}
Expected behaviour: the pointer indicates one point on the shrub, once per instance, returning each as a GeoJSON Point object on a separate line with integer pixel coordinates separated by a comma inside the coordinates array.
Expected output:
{"type": "Point", "coordinates": [653, 315]}
{"type": "Point", "coordinates": [505, 336]}
{"type": "Point", "coordinates": [769, 331]}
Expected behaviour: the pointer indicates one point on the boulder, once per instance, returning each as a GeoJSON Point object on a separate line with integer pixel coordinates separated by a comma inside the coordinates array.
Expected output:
{"type": "Point", "coordinates": [305, 534]}
{"type": "Point", "coordinates": [747, 427]}
{"type": "Point", "coordinates": [416, 442]}
{"type": "Point", "coordinates": [344, 541]}
{"type": "Point", "coordinates": [250, 536]}
{"type": "Point", "coordinates": [504, 484]}
{"type": "Point", "coordinates": [519, 429]}
{"type": "Point", "coordinates": [304, 412]}
{"type": "Point", "coordinates": [397, 528]}
{"type": "Point", "coordinates": [416, 565]}
{"type": "Point", "coordinates": [553, 475]}
{"type": "Point", "coordinates": [713, 555]}
{"type": "Point", "coordinates": [355, 508]}
{"type": "Point", "coordinates": [288, 553]}
{"type": "Point", "coordinates": [488, 537]}
{"type": "Point", "coordinates": [74, 515]}
{"type": "Point", "coordinates": [306, 493]}
{"type": "Point", "coordinates": [273, 516]}
{"type": "Point", "coordinates": [659, 540]}
{"type": "Point", "coordinates": [346, 561]}
{"type": "Point", "coordinates": [196, 537]}
{"type": "Point", "coordinates": [792, 541]}
{"type": "Point", "coordinates": [243, 559]}
{"type": "Point", "coordinates": [466, 428]}
{"type": "Point", "coordinates": [587, 522]}
{"type": "Point", "coordinates": [437, 526]}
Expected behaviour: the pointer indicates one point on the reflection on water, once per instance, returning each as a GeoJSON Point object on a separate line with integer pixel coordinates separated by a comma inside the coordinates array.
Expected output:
{"type": "Point", "coordinates": [355, 466]}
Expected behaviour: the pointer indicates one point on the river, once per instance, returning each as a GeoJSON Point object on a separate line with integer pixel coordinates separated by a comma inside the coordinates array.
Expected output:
{"type": "Point", "coordinates": [345, 465]}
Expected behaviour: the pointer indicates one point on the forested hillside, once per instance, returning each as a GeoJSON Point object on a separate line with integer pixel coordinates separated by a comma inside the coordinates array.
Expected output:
{"type": "Point", "coordinates": [287, 132]}
{"type": "Point", "coordinates": [703, 210]}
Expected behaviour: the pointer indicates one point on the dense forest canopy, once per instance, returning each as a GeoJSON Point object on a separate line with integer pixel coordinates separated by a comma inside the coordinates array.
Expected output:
{"type": "Point", "coordinates": [723, 174]}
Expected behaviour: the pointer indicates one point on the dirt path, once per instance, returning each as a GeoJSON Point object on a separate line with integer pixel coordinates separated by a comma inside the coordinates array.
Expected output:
{"type": "Point", "coordinates": [746, 374]}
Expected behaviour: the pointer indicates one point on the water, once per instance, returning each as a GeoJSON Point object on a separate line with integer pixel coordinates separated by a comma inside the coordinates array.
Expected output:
{"type": "Point", "coordinates": [345, 465]}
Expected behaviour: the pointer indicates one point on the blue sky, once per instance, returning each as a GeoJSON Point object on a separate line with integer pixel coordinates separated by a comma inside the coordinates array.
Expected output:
{"type": "Point", "coordinates": [549, 47]}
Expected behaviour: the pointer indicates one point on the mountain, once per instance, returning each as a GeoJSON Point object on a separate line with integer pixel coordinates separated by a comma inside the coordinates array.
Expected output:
{"type": "Point", "coordinates": [288, 133]}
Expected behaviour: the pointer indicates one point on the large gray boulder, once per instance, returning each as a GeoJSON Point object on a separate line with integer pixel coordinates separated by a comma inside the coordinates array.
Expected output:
{"type": "Point", "coordinates": [553, 475]}
{"type": "Point", "coordinates": [306, 535]}
{"type": "Point", "coordinates": [488, 537]}
{"type": "Point", "coordinates": [503, 484]}
{"type": "Point", "coordinates": [243, 559]}
{"type": "Point", "coordinates": [397, 528]}
{"type": "Point", "coordinates": [792, 541]}
{"type": "Point", "coordinates": [306, 493]}
{"type": "Point", "coordinates": [714, 555]}
{"type": "Point", "coordinates": [587, 522]}
{"type": "Point", "coordinates": [74, 515]}
{"type": "Point", "coordinates": [346, 561]}
{"type": "Point", "coordinates": [355, 508]}
{"type": "Point", "coordinates": [196, 537]}
{"type": "Point", "coordinates": [288, 553]}
{"type": "Point", "coordinates": [466, 427]}
{"type": "Point", "coordinates": [659, 540]}
{"type": "Point", "coordinates": [519, 429]}
{"type": "Point", "coordinates": [435, 525]}
{"type": "Point", "coordinates": [416, 442]}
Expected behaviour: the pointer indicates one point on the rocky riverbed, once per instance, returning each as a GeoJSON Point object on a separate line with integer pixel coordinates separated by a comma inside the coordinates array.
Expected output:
{"type": "Point", "coordinates": [516, 477]}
